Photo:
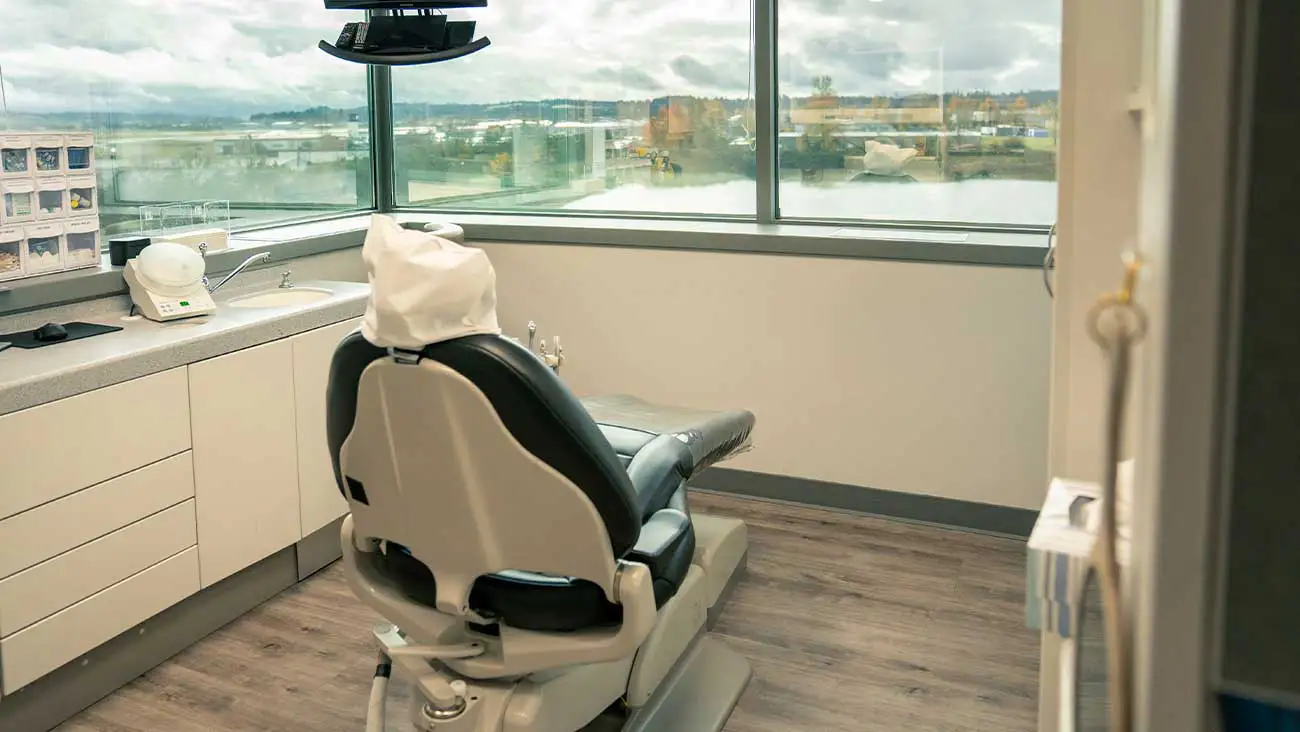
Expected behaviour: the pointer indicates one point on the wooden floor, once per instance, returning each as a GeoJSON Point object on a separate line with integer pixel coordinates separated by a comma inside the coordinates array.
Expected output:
{"type": "Point", "coordinates": [851, 623]}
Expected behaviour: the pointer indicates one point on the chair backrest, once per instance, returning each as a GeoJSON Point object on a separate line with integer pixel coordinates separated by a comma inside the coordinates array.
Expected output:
{"type": "Point", "coordinates": [478, 460]}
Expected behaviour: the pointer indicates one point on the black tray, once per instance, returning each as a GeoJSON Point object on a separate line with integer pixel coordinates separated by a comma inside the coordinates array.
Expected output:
{"type": "Point", "coordinates": [404, 59]}
{"type": "Point", "coordinates": [76, 331]}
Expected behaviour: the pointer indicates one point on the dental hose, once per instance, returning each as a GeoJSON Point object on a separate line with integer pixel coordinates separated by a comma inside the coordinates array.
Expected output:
{"type": "Point", "coordinates": [1129, 325]}
{"type": "Point", "coordinates": [376, 714]}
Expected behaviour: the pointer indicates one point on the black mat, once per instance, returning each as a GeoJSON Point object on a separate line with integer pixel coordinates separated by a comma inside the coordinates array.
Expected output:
{"type": "Point", "coordinates": [76, 331]}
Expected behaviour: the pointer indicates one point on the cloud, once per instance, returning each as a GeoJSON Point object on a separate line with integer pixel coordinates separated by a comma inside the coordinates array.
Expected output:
{"type": "Point", "coordinates": [635, 80]}
{"type": "Point", "coordinates": [726, 77]}
{"type": "Point", "coordinates": [235, 57]}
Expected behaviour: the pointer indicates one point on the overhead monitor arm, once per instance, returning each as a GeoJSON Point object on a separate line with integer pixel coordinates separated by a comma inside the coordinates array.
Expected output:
{"type": "Point", "coordinates": [395, 38]}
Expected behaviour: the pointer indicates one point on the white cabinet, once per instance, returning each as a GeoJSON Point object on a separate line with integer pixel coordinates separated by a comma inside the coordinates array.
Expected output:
{"type": "Point", "coordinates": [319, 499]}
{"type": "Point", "coordinates": [101, 514]}
{"type": "Point", "coordinates": [245, 457]}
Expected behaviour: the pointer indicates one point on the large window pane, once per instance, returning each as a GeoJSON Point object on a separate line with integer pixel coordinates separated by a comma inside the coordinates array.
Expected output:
{"type": "Point", "coordinates": [195, 101]}
{"type": "Point", "coordinates": [919, 110]}
{"type": "Point", "coordinates": [628, 106]}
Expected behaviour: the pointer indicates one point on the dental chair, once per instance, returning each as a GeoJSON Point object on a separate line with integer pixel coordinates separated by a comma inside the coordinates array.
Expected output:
{"type": "Point", "coordinates": [535, 557]}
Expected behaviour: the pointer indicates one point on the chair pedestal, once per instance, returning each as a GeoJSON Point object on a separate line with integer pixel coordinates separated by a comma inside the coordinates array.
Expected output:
{"type": "Point", "coordinates": [721, 549]}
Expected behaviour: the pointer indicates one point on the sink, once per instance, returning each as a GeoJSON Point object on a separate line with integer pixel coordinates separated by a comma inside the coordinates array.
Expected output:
{"type": "Point", "coordinates": [279, 298]}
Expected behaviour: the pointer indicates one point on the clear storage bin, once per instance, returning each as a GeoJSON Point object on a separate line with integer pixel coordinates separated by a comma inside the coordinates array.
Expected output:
{"type": "Point", "coordinates": [47, 152]}
{"type": "Point", "coordinates": [15, 155]}
{"type": "Point", "coordinates": [51, 198]}
{"type": "Point", "coordinates": [44, 248]}
{"type": "Point", "coordinates": [82, 194]}
{"type": "Point", "coordinates": [83, 245]}
{"type": "Point", "coordinates": [11, 252]}
{"type": "Point", "coordinates": [17, 201]}
{"type": "Point", "coordinates": [79, 152]}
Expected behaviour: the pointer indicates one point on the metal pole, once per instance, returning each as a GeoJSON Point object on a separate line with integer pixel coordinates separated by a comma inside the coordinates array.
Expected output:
{"type": "Point", "coordinates": [379, 82]}
{"type": "Point", "coordinates": [945, 160]}
{"type": "Point", "coordinates": [766, 109]}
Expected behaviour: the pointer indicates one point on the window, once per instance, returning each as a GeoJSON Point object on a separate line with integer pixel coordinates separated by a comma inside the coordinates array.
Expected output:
{"type": "Point", "coordinates": [930, 111]}
{"type": "Point", "coordinates": [641, 107]}
{"type": "Point", "coordinates": [194, 101]}
{"type": "Point", "coordinates": [918, 110]}
{"type": "Point", "coordinates": [940, 112]}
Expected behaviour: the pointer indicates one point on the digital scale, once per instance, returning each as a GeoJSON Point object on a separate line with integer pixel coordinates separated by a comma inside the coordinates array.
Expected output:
{"type": "Point", "coordinates": [166, 282]}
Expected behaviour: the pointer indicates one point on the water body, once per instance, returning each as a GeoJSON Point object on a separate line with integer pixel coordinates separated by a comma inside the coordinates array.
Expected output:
{"type": "Point", "coordinates": [1023, 202]}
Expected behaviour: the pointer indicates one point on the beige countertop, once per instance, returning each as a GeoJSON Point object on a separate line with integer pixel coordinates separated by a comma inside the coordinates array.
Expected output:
{"type": "Point", "coordinates": [37, 376]}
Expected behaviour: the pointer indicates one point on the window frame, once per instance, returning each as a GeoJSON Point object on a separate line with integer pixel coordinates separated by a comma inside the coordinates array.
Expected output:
{"type": "Point", "coordinates": [767, 232]}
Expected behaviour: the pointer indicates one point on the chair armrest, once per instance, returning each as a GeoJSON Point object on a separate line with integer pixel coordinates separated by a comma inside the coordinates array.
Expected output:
{"type": "Point", "coordinates": [660, 536]}
{"type": "Point", "coordinates": [657, 471]}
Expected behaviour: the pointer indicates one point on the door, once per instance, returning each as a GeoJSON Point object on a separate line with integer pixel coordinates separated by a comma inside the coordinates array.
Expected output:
{"type": "Point", "coordinates": [245, 457]}
{"type": "Point", "coordinates": [319, 499]}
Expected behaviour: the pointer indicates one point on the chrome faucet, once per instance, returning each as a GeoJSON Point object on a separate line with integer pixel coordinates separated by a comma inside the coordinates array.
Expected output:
{"type": "Point", "coordinates": [262, 257]}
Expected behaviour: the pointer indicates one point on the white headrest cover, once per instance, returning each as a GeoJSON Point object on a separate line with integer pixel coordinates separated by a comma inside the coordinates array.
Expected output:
{"type": "Point", "coordinates": [424, 289]}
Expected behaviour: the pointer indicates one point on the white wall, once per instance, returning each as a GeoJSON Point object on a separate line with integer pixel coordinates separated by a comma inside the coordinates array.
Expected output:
{"type": "Point", "coordinates": [912, 377]}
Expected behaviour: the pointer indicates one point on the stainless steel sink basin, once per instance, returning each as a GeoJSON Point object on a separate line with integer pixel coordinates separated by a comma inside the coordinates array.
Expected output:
{"type": "Point", "coordinates": [281, 297]}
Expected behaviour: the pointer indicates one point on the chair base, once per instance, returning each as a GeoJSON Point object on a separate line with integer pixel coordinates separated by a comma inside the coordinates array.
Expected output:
{"type": "Point", "coordinates": [721, 551]}
{"type": "Point", "coordinates": [698, 695]}
{"type": "Point", "coordinates": [695, 691]}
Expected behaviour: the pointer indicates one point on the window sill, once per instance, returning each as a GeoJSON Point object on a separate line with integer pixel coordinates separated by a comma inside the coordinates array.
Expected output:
{"type": "Point", "coordinates": [305, 238]}
{"type": "Point", "coordinates": [860, 241]}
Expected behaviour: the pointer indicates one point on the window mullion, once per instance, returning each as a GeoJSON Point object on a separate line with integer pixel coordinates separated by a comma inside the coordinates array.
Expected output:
{"type": "Point", "coordinates": [380, 87]}
{"type": "Point", "coordinates": [765, 109]}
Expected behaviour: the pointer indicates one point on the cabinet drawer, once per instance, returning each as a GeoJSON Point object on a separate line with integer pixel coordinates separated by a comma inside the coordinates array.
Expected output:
{"type": "Point", "coordinates": [41, 648]}
{"type": "Point", "coordinates": [69, 578]}
{"type": "Point", "coordinates": [64, 446]}
{"type": "Point", "coordinates": [33, 536]}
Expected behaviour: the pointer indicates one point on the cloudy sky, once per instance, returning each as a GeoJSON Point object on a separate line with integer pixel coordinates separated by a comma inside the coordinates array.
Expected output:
{"type": "Point", "coordinates": [239, 56]}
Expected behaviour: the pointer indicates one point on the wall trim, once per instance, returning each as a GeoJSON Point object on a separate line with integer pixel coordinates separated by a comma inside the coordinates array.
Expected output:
{"type": "Point", "coordinates": [948, 513]}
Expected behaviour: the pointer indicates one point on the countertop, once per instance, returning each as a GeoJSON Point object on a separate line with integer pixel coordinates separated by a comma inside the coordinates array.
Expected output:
{"type": "Point", "coordinates": [32, 377]}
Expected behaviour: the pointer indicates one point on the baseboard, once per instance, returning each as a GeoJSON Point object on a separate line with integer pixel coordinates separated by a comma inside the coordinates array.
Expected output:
{"type": "Point", "coordinates": [946, 512]}
{"type": "Point", "coordinates": [53, 699]}
{"type": "Point", "coordinates": [319, 549]}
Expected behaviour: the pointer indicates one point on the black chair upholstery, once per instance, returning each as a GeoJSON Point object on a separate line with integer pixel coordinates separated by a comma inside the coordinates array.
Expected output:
{"type": "Point", "coordinates": [641, 501]}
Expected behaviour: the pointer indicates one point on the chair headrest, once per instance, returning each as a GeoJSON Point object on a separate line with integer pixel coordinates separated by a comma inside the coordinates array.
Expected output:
{"type": "Point", "coordinates": [425, 289]}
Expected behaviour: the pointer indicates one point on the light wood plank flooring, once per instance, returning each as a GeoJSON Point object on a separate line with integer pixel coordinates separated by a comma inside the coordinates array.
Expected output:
{"type": "Point", "coordinates": [852, 623]}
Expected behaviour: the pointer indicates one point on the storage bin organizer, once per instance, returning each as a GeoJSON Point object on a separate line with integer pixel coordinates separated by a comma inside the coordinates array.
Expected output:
{"type": "Point", "coordinates": [52, 198]}
{"type": "Point", "coordinates": [15, 155]}
{"type": "Point", "coordinates": [82, 195]}
{"type": "Point", "coordinates": [49, 203]}
{"type": "Point", "coordinates": [79, 153]}
{"type": "Point", "coordinates": [17, 201]}
{"type": "Point", "coordinates": [44, 250]}
{"type": "Point", "coordinates": [47, 152]}
{"type": "Point", "coordinates": [81, 237]}
{"type": "Point", "coordinates": [11, 252]}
